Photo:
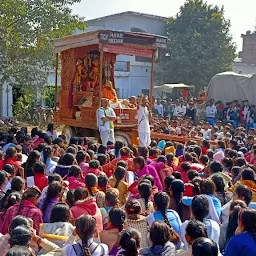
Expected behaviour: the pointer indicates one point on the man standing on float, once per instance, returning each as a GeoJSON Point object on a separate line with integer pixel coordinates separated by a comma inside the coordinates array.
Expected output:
{"type": "Point", "coordinates": [144, 115]}
{"type": "Point", "coordinates": [105, 120]}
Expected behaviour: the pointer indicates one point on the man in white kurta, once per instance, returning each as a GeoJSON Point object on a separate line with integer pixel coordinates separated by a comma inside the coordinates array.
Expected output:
{"type": "Point", "coordinates": [144, 115]}
{"type": "Point", "coordinates": [105, 120]}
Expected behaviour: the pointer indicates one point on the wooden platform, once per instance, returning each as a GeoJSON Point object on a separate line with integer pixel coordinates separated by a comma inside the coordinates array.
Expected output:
{"type": "Point", "coordinates": [161, 136]}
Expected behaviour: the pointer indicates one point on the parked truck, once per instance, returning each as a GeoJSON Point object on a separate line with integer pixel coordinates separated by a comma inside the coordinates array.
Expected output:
{"type": "Point", "coordinates": [87, 64]}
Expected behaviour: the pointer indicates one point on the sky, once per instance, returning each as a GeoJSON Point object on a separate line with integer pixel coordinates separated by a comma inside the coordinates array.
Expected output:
{"type": "Point", "coordinates": [241, 13]}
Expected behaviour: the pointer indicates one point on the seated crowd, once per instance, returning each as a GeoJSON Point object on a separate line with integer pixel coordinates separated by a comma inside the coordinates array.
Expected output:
{"type": "Point", "coordinates": [212, 120]}
{"type": "Point", "coordinates": [83, 198]}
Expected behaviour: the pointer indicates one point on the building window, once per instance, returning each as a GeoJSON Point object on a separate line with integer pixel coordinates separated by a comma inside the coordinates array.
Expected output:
{"type": "Point", "coordinates": [145, 91]}
{"type": "Point", "coordinates": [122, 66]}
{"type": "Point", "coordinates": [134, 29]}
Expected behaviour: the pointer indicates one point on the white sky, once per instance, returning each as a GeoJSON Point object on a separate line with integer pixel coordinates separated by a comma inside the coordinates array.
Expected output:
{"type": "Point", "coordinates": [242, 13]}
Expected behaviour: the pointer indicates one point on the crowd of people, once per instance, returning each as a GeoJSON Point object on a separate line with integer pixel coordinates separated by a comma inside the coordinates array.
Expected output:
{"type": "Point", "coordinates": [167, 198]}
{"type": "Point", "coordinates": [237, 113]}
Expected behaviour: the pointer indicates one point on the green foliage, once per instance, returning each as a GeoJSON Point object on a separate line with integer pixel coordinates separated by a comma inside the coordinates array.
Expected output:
{"type": "Point", "coordinates": [27, 28]}
{"type": "Point", "coordinates": [48, 96]}
{"type": "Point", "coordinates": [200, 45]}
{"type": "Point", "coordinates": [24, 103]}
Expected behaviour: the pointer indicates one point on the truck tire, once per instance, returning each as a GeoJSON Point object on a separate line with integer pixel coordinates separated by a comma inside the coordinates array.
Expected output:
{"type": "Point", "coordinates": [123, 137]}
{"type": "Point", "coordinates": [69, 132]}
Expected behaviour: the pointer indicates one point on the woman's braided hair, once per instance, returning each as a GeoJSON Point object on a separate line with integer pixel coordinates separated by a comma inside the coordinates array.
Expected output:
{"type": "Point", "coordinates": [103, 182]}
{"type": "Point", "coordinates": [119, 174]}
{"type": "Point", "coordinates": [91, 181]}
{"type": "Point", "coordinates": [220, 186]}
{"type": "Point", "coordinates": [117, 217]}
{"type": "Point", "coordinates": [162, 201]}
{"type": "Point", "coordinates": [133, 208]}
{"type": "Point", "coordinates": [54, 190]}
{"type": "Point", "coordinates": [29, 193]}
{"type": "Point", "coordinates": [130, 242]}
{"type": "Point", "coordinates": [145, 191]}
{"type": "Point", "coordinates": [85, 227]}
{"type": "Point", "coordinates": [178, 188]}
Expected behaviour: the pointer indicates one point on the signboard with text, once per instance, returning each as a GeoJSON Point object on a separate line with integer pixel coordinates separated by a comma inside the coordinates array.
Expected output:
{"type": "Point", "coordinates": [108, 37]}
{"type": "Point", "coordinates": [111, 37]}
{"type": "Point", "coordinates": [161, 42]}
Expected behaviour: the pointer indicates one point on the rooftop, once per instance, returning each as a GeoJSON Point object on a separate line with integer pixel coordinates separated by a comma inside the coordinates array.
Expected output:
{"type": "Point", "coordinates": [94, 37]}
{"type": "Point", "coordinates": [129, 13]}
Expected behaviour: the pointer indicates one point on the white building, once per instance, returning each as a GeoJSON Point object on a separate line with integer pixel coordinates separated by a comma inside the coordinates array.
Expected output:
{"type": "Point", "coordinates": [244, 68]}
{"type": "Point", "coordinates": [132, 73]}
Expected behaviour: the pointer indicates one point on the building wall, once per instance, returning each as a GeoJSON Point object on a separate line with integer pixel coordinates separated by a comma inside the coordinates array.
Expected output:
{"type": "Point", "coordinates": [133, 82]}
{"type": "Point", "coordinates": [127, 21]}
{"type": "Point", "coordinates": [245, 69]}
{"type": "Point", "coordinates": [136, 80]}
{"type": "Point", "coordinates": [248, 54]}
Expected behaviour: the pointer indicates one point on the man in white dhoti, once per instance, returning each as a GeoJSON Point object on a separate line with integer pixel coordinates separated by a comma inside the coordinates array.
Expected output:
{"type": "Point", "coordinates": [144, 115]}
{"type": "Point", "coordinates": [105, 120]}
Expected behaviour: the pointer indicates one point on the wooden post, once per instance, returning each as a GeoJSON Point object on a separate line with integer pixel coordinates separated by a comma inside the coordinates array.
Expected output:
{"type": "Point", "coordinates": [101, 68]}
{"type": "Point", "coordinates": [56, 82]}
{"type": "Point", "coordinates": [152, 80]}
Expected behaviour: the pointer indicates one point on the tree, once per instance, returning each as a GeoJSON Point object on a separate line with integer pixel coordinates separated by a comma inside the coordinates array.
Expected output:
{"type": "Point", "coordinates": [48, 96]}
{"type": "Point", "coordinates": [27, 28]}
{"type": "Point", "coordinates": [200, 45]}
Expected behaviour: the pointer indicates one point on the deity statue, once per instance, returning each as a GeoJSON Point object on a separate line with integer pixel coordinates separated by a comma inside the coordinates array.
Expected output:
{"type": "Point", "coordinates": [80, 74]}
{"type": "Point", "coordinates": [94, 64]}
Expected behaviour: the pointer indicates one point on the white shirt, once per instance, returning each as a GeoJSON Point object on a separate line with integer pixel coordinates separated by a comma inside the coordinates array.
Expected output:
{"type": "Point", "coordinates": [143, 119]}
{"type": "Point", "coordinates": [206, 133]}
{"type": "Point", "coordinates": [180, 110]}
{"type": "Point", "coordinates": [7, 186]}
{"type": "Point", "coordinates": [24, 158]}
{"type": "Point", "coordinates": [30, 181]}
{"type": "Point", "coordinates": [213, 230]}
{"type": "Point", "coordinates": [246, 114]}
{"type": "Point", "coordinates": [102, 249]}
{"type": "Point", "coordinates": [211, 111]}
{"type": "Point", "coordinates": [104, 125]}
{"type": "Point", "coordinates": [52, 135]}
{"type": "Point", "coordinates": [50, 167]}
{"type": "Point", "coordinates": [44, 192]}
{"type": "Point", "coordinates": [160, 109]}
{"type": "Point", "coordinates": [178, 131]}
